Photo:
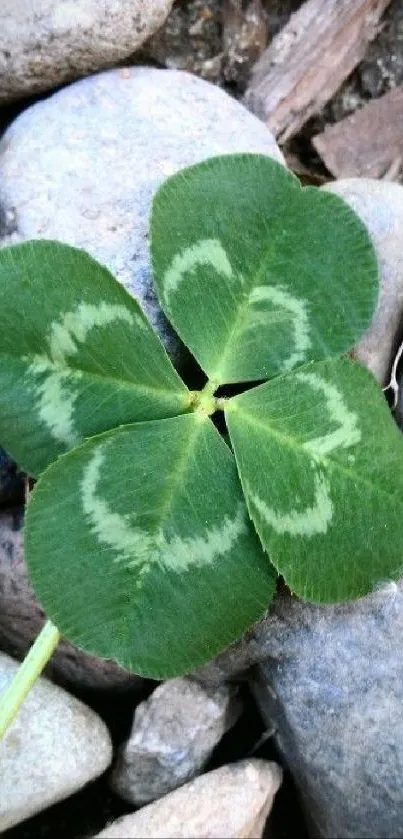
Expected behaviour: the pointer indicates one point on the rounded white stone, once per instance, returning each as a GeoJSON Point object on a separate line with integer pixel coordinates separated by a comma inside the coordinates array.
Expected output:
{"type": "Point", "coordinates": [44, 43]}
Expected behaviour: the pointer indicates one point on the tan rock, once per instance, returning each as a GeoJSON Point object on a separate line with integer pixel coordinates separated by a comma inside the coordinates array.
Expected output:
{"type": "Point", "coordinates": [173, 735]}
{"type": "Point", "coordinates": [54, 747]}
{"type": "Point", "coordinates": [232, 802]}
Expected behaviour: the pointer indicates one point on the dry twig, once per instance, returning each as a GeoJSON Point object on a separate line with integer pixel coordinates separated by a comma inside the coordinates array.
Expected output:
{"type": "Point", "coordinates": [309, 59]}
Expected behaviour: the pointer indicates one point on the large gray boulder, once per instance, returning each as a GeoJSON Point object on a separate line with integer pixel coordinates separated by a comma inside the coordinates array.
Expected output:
{"type": "Point", "coordinates": [332, 689]}
{"type": "Point", "coordinates": [45, 43]}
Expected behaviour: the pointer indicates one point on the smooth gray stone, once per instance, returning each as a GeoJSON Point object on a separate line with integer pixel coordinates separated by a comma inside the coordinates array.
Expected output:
{"type": "Point", "coordinates": [232, 802]}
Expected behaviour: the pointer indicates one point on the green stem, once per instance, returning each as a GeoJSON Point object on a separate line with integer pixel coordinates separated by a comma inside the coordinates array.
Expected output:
{"type": "Point", "coordinates": [209, 388]}
{"type": "Point", "coordinates": [29, 671]}
{"type": "Point", "coordinates": [204, 401]}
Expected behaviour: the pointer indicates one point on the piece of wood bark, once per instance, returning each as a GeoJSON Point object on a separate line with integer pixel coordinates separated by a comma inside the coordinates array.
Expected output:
{"type": "Point", "coordinates": [309, 59]}
{"type": "Point", "coordinates": [368, 143]}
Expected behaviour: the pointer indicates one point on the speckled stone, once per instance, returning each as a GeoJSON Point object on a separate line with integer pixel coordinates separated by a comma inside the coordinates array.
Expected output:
{"type": "Point", "coordinates": [173, 736]}
{"type": "Point", "coordinates": [232, 802]}
{"type": "Point", "coordinates": [54, 747]}
{"type": "Point", "coordinates": [48, 42]}
{"type": "Point", "coordinates": [329, 684]}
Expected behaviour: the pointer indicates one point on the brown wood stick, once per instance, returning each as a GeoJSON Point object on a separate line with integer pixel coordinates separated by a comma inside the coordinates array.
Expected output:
{"type": "Point", "coordinates": [309, 59]}
{"type": "Point", "coordinates": [369, 143]}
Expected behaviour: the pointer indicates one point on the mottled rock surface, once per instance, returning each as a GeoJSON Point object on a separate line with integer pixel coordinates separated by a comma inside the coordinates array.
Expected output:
{"type": "Point", "coordinates": [21, 620]}
{"type": "Point", "coordinates": [173, 735]}
{"type": "Point", "coordinates": [53, 748]}
{"type": "Point", "coordinates": [332, 687]}
{"type": "Point", "coordinates": [232, 802]}
{"type": "Point", "coordinates": [83, 166]}
{"type": "Point", "coordinates": [46, 43]}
